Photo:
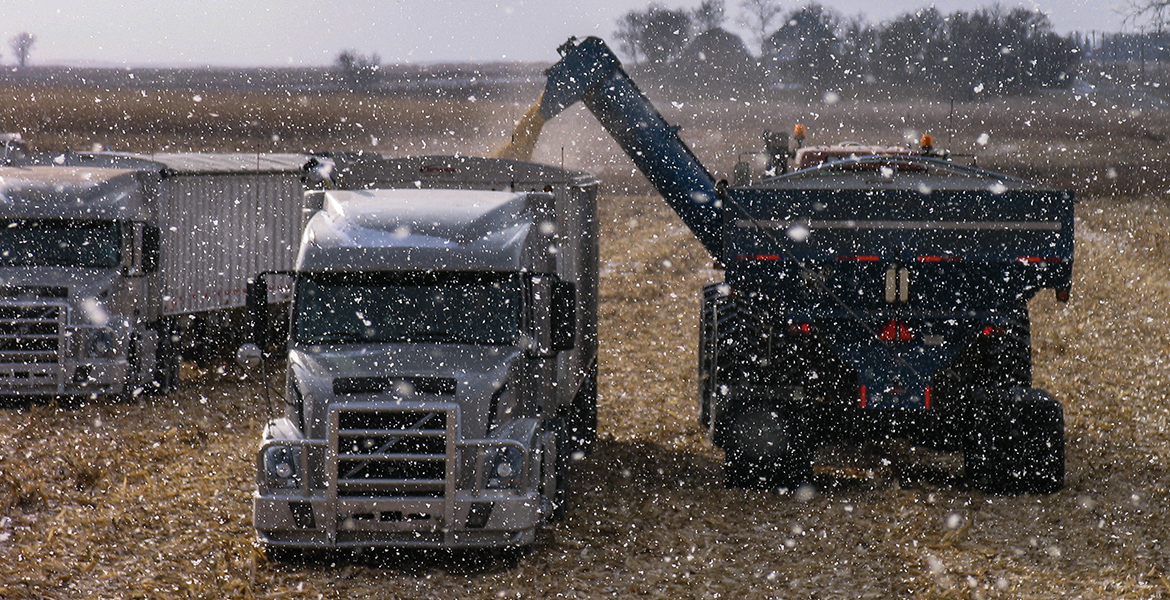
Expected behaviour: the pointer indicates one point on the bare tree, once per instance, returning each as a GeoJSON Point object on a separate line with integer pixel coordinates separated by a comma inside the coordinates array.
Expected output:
{"type": "Point", "coordinates": [629, 34]}
{"type": "Point", "coordinates": [21, 45]}
{"type": "Point", "coordinates": [358, 72]}
{"type": "Point", "coordinates": [709, 15]}
{"type": "Point", "coordinates": [758, 16]}
{"type": "Point", "coordinates": [658, 33]}
{"type": "Point", "coordinates": [1156, 11]}
{"type": "Point", "coordinates": [667, 33]}
{"type": "Point", "coordinates": [806, 48]}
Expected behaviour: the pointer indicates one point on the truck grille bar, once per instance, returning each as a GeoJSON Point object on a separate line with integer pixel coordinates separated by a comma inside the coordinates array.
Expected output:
{"type": "Point", "coordinates": [32, 344]}
{"type": "Point", "coordinates": [387, 452]}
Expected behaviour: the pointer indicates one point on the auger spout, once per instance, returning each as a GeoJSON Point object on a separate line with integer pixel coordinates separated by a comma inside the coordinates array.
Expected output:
{"type": "Point", "coordinates": [590, 72]}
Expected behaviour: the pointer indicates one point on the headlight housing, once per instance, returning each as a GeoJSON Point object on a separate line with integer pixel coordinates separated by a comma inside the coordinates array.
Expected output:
{"type": "Point", "coordinates": [502, 467]}
{"type": "Point", "coordinates": [282, 467]}
{"type": "Point", "coordinates": [102, 343]}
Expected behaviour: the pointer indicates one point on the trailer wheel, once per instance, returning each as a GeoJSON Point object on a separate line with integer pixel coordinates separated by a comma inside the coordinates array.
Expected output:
{"type": "Point", "coordinates": [1021, 448]}
{"type": "Point", "coordinates": [766, 448]}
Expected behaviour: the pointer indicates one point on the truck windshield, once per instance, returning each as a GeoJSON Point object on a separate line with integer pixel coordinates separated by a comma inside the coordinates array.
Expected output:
{"type": "Point", "coordinates": [60, 243]}
{"type": "Point", "coordinates": [452, 308]}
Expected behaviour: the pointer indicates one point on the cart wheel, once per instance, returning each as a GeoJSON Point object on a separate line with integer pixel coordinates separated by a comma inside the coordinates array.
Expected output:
{"type": "Point", "coordinates": [1020, 449]}
{"type": "Point", "coordinates": [767, 449]}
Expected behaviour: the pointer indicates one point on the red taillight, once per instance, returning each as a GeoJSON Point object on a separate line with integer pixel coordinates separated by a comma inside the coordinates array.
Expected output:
{"type": "Point", "coordinates": [896, 331]}
{"type": "Point", "coordinates": [994, 330]}
{"type": "Point", "coordinates": [862, 393]}
{"type": "Point", "coordinates": [799, 328]}
{"type": "Point", "coordinates": [860, 258]}
{"type": "Point", "coordinates": [927, 395]}
{"type": "Point", "coordinates": [757, 257]}
{"type": "Point", "coordinates": [1027, 260]}
{"type": "Point", "coordinates": [931, 258]}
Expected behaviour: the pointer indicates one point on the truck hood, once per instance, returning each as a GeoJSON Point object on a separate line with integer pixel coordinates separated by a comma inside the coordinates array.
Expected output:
{"type": "Point", "coordinates": [87, 291]}
{"type": "Point", "coordinates": [469, 375]}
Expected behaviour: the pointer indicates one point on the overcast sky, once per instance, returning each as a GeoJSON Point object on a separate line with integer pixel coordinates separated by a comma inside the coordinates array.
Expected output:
{"type": "Point", "coordinates": [310, 33]}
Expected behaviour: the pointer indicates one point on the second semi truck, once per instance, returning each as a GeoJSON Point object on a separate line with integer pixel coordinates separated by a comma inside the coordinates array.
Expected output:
{"type": "Point", "coordinates": [111, 266]}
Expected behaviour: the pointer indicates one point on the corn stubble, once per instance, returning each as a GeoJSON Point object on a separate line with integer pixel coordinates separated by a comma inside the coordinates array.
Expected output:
{"type": "Point", "coordinates": [152, 498]}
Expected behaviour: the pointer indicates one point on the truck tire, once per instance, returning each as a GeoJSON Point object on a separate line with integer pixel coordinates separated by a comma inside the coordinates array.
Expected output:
{"type": "Point", "coordinates": [284, 554]}
{"type": "Point", "coordinates": [766, 447]}
{"type": "Point", "coordinates": [140, 365]}
{"type": "Point", "coordinates": [559, 497]}
{"type": "Point", "coordinates": [166, 369]}
{"type": "Point", "coordinates": [708, 319]}
{"type": "Point", "coordinates": [1020, 448]}
{"type": "Point", "coordinates": [582, 418]}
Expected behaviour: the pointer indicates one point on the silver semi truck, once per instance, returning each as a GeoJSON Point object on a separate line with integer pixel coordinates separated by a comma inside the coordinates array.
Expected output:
{"type": "Point", "coordinates": [442, 361]}
{"type": "Point", "coordinates": [113, 264]}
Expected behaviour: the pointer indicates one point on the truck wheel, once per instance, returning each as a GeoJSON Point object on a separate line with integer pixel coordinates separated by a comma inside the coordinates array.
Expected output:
{"type": "Point", "coordinates": [140, 365]}
{"type": "Point", "coordinates": [1020, 449]}
{"type": "Point", "coordinates": [582, 420]}
{"type": "Point", "coordinates": [559, 496]}
{"type": "Point", "coordinates": [1009, 364]}
{"type": "Point", "coordinates": [712, 300]}
{"type": "Point", "coordinates": [166, 369]}
{"type": "Point", "coordinates": [282, 554]}
{"type": "Point", "coordinates": [766, 449]}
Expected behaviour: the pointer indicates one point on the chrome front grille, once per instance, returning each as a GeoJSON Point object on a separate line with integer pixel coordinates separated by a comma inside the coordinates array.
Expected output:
{"type": "Point", "coordinates": [390, 452]}
{"type": "Point", "coordinates": [33, 346]}
{"type": "Point", "coordinates": [31, 333]}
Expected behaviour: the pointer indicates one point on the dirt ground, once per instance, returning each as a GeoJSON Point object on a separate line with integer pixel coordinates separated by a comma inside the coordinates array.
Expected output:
{"type": "Point", "coordinates": [152, 498]}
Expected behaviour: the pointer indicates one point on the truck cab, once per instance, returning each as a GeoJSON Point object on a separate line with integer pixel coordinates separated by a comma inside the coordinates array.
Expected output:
{"type": "Point", "coordinates": [441, 365]}
{"type": "Point", "coordinates": [78, 248]}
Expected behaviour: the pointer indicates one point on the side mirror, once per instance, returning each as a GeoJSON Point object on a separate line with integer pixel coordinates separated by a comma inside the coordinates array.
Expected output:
{"type": "Point", "coordinates": [564, 315]}
{"type": "Point", "coordinates": [248, 356]}
{"type": "Point", "coordinates": [256, 303]}
{"type": "Point", "coordinates": [135, 249]}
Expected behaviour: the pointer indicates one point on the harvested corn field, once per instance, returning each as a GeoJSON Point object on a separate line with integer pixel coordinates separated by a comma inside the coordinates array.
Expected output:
{"type": "Point", "coordinates": [152, 498]}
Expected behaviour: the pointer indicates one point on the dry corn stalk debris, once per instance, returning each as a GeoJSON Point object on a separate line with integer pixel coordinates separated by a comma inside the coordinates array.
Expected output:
{"type": "Point", "coordinates": [152, 499]}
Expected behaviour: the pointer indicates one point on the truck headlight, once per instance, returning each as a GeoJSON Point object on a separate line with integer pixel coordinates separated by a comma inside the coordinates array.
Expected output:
{"type": "Point", "coordinates": [102, 343]}
{"type": "Point", "coordinates": [282, 465]}
{"type": "Point", "coordinates": [502, 467]}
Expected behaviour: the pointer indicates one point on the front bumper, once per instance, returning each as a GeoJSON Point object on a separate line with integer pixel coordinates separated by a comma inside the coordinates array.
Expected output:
{"type": "Point", "coordinates": [317, 523]}
{"type": "Point", "coordinates": [395, 475]}
{"type": "Point", "coordinates": [69, 379]}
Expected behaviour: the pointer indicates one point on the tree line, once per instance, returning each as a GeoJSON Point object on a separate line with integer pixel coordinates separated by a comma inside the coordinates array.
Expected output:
{"type": "Point", "coordinates": [985, 51]}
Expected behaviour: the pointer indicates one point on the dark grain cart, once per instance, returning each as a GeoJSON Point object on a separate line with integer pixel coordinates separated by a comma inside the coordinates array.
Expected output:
{"type": "Point", "coordinates": [873, 295]}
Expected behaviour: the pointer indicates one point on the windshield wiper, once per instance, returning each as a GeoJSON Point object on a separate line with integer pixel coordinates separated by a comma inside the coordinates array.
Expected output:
{"type": "Point", "coordinates": [338, 338]}
{"type": "Point", "coordinates": [426, 336]}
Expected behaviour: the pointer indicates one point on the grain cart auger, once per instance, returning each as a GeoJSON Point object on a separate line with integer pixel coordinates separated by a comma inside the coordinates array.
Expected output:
{"type": "Point", "coordinates": [864, 298]}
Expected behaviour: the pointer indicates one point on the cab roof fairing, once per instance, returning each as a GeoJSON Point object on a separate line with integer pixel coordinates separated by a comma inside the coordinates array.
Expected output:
{"type": "Point", "coordinates": [82, 193]}
{"type": "Point", "coordinates": [429, 230]}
